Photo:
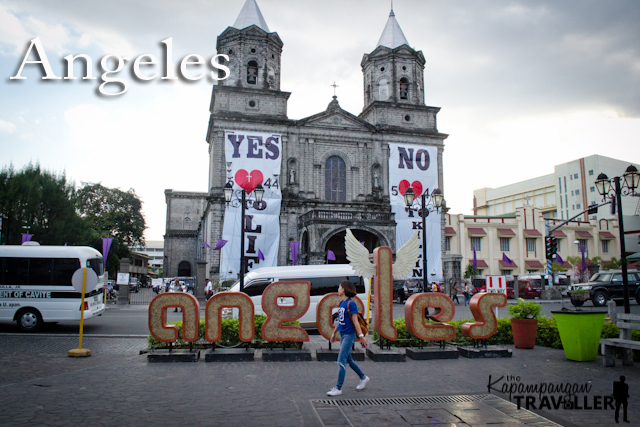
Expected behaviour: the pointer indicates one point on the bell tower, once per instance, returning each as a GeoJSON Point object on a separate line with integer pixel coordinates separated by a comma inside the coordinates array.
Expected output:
{"type": "Point", "coordinates": [253, 85]}
{"type": "Point", "coordinates": [394, 82]}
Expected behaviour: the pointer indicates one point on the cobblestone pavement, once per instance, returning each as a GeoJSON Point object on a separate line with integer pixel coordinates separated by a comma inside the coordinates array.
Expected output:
{"type": "Point", "coordinates": [116, 386]}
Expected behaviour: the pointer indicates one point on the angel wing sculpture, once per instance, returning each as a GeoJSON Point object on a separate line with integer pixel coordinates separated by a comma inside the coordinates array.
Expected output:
{"type": "Point", "coordinates": [358, 257]}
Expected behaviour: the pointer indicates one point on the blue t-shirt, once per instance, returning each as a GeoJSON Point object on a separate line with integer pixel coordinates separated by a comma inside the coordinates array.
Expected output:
{"type": "Point", "coordinates": [345, 324]}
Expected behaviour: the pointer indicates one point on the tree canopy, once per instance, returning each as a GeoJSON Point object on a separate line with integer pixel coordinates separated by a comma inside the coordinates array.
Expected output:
{"type": "Point", "coordinates": [45, 204]}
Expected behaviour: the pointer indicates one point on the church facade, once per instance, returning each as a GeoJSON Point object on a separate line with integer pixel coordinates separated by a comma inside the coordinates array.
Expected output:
{"type": "Point", "coordinates": [334, 170]}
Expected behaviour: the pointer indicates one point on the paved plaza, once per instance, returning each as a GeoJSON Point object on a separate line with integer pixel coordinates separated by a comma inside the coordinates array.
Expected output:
{"type": "Point", "coordinates": [116, 386]}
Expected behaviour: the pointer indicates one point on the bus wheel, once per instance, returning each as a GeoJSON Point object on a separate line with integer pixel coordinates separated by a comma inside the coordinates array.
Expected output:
{"type": "Point", "coordinates": [29, 320]}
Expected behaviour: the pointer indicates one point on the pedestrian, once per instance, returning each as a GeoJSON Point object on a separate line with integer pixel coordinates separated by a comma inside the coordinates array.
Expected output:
{"type": "Point", "coordinates": [434, 287]}
{"type": "Point", "coordinates": [349, 327]}
{"type": "Point", "coordinates": [175, 287]}
{"type": "Point", "coordinates": [621, 395]}
{"type": "Point", "coordinates": [454, 293]}
{"type": "Point", "coordinates": [208, 289]}
{"type": "Point", "coordinates": [467, 294]}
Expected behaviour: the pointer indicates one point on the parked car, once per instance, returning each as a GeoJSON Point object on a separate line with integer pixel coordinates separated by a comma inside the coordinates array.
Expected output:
{"type": "Point", "coordinates": [403, 289]}
{"type": "Point", "coordinates": [607, 285]}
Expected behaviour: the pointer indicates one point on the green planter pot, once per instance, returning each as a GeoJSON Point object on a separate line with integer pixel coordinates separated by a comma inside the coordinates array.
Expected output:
{"type": "Point", "coordinates": [580, 333]}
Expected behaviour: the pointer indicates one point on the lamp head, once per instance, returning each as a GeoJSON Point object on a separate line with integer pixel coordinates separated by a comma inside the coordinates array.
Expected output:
{"type": "Point", "coordinates": [632, 177]}
{"type": "Point", "coordinates": [438, 199]}
{"type": "Point", "coordinates": [409, 196]}
{"type": "Point", "coordinates": [603, 184]}
{"type": "Point", "coordinates": [228, 192]}
{"type": "Point", "coordinates": [259, 190]}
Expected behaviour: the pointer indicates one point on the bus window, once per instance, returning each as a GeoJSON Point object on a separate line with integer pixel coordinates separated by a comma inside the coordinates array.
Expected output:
{"type": "Point", "coordinates": [16, 271]}
{"type": "Point", "coordinates": [63, 269]}
{"type": "Point", "coordinates": [40, 271]}
{"type": "Point", "coordinates": [97, 265]}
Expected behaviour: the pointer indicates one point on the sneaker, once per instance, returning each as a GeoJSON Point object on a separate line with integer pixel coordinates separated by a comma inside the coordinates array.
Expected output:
{"type": "Point", "coordinates": [363, 383]}
{"type": "Point", "coordinates": [334, 392]}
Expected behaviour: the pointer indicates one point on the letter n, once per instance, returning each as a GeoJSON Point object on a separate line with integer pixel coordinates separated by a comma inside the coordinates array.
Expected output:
{"type": "Point", "coordinates": [213, 315]}
{"type": "Point", "coordinates": [158, 317]}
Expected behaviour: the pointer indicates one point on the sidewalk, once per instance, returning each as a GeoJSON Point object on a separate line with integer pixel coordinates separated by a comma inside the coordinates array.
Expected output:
{"type": "Point", "coordinates": [41, 385]}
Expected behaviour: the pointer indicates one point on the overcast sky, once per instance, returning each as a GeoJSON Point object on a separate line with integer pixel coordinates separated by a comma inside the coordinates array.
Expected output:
{"type": "Point", "coordinates": [523, 85]}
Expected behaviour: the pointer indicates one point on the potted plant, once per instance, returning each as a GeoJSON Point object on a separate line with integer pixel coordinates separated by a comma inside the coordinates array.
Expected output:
{"type": "Point", "coordinates": [524, 323]}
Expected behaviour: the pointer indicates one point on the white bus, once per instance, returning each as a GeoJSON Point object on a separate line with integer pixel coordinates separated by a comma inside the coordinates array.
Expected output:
{"type": "Point", "coordinates": [324, 279]}
{"type": "Point", "coordinates": [35, 284]}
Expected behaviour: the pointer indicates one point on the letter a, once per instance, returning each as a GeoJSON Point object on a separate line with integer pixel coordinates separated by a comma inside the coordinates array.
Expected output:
{"type": "Point", "coordinates": [43, 60]}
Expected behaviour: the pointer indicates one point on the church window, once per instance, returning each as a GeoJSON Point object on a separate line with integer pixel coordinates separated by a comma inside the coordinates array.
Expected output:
{"type": "Point", "coordinates": [253, 51]}
{"type": "Point", "coordinates": [230, 51]}
{"type": "Point", "coordinates": [382, 69]}
{"type": "Point", "coordinates": [404, 68]}
{"type": "Point", "coordinates": [252, 73]}
{"type": "Point", "coordinates": [407, 118]}
{"type": "Point", "coordinates": [252, 103]}
{"type": "Point", "coordinates": [404, 88]}
{"type": "Point", "coordinates": [335, 180]}
{"type": "Point", "coordinates": [184, 269]}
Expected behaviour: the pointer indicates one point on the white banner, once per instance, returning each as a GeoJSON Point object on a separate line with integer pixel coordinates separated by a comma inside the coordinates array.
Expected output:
{"type": "Point", "coordinates": [415, 166]}
{"type": "Point", "coordinates": [252, 158]}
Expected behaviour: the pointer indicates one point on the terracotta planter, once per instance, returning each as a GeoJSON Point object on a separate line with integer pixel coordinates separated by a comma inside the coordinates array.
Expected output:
{"type": "Point", "coordinates": [524, 332]}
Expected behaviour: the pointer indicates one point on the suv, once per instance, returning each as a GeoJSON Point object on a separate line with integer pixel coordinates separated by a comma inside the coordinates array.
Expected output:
{"type": "Point", "coordinates": [403, 289]}
{"type": "Point", "coordinates": [606, 285]}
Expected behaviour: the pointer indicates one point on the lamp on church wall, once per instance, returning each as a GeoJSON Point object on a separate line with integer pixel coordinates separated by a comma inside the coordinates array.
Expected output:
{"type": "Point", "coordinates": [241, 200]}
{"type": "Point", "coordinates": [431, 203]}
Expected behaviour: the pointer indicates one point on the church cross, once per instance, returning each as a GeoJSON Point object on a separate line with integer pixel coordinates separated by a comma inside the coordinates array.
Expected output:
{"type": "Point", "coordinates": [334, 86]}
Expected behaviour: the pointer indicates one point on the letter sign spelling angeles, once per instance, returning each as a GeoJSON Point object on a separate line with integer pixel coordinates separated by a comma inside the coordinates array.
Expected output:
{"type": "Point", "coordinates": [486, 323]}
{"type": "Point", "coordinates": [213, 315]}
{"type": "Point", "coordinates": [414, 317]}
{"type": "Point", "coordinates": [383, 273]}
{"type": "Point", "coordinates": [272, 328]}
{"type": "Point", "coordinates": [324, 318]}
{"type": "Point", "coordinates": [158, 317]}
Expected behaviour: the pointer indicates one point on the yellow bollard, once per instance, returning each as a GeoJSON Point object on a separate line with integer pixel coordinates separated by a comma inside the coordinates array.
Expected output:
{"type": "Point", "coordinates": [81, 352]}
{"type": "Point", "coordinates": [368, 303]}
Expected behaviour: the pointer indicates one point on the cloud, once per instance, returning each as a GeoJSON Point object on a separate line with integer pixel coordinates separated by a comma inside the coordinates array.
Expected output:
{"type": "Point", "coordinates": [7, 127]}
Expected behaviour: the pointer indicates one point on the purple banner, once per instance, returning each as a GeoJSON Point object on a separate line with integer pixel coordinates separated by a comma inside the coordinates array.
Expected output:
{"type": "Point", "coordinates": [26, 237]}
{"type": "Point", "coordinates": [330, 255]}
{"type": "Point", "coordinates": [106, 245]}
{"type": "Point", "coordinates": [295, 246]}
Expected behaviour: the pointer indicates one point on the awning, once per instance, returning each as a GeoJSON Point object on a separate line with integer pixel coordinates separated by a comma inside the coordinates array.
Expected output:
{"type": "Point", "coordinates": [534, 265]}
{"type": "Point", "coordinates": [532, 233]}
{"type": "Point", "coordinates": [476, 232]}
{"type": "Point", "coordinates": [506, 232]}
{"type": "Point", "coordinates": [558, 233]}
{"type": "Point", "coordinates": [605, 235]}
{"type": "Point", "coordinates": [584, 234]}
{"type": "Point", "coordinates": [481, 263]}
{"type": "Point", "coordinates": [449, 231]}
{"type": "Point", "coordinates": [504, 265]}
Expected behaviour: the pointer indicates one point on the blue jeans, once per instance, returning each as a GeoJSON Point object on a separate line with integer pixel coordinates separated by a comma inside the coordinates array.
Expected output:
{"type": "Point", "coordinates": [344, 357]}
{"type": "Point", "coordinates": [455, 298]}
{"type": "Point", "coordinates": [467, 298]}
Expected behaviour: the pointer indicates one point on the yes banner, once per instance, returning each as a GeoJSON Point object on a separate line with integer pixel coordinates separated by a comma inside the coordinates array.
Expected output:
{"type": "Point", "coordinates": [252, 158]}
{"type": "Point", "coordinates": [415, 166]}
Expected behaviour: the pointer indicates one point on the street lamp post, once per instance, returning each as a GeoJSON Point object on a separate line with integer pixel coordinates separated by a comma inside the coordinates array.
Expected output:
{"type": "Point", "coordinates": [432, 205]}
{"type": "Point", "coordinates": [603, 184]}
{"type": "Point", "coordinates": [241, 198]}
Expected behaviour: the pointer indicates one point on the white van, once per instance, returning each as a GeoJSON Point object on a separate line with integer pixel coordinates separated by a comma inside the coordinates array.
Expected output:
{"type": "Point", "coordinates": [324, 280]}
{"type": "Point", "coordinates": [35, 284]}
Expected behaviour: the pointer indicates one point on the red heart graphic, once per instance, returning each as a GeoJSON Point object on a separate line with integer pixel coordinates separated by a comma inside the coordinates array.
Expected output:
{"type": "Point", "coordinates": [402, 187]}
{"type": "Point", "coordinates": [248, 181]}
{"type": "Point", "coordinates": [417, 187]}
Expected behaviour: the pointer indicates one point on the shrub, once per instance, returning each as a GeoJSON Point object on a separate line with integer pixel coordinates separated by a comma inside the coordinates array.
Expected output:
{"type": "Point", "coordinates": [524, 310]}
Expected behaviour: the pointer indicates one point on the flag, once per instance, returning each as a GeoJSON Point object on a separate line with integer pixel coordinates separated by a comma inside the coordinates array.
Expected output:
{"type": "Point", "coordinates": [330, 255]}
{"type": "Point", "coordinates": [362, 243]}
{"type": "Point", "coordinates": [260, 255]}
{"type": "Point", "coordinates": [583, 262]}
{"type": "Point", "coordinates": [26, 237]}
{"type": "Point", "coordinates": [295, 246]}
{"type": "Point", "coordinates": [506, 259]}
{"type": "Point", "coordinates": [475, 260]}
{"type": "Point", "coordinates": [559, 259]}
{"type": "Point", "coordinates": [219, 244]}
{"type": "Point", "coordinates": [106, 245]}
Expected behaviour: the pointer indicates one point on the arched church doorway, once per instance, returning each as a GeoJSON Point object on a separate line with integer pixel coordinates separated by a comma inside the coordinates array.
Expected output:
{"type": "Point", "coordinates": [184, 269]}
{"type": "Point", "coordinates": [336, 244]}
{"type": "Point", "coordinates": [303, 255]}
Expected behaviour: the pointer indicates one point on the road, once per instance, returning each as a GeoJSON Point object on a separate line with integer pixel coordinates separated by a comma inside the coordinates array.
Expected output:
{"type": "Point", "coordinates": [132, 320]}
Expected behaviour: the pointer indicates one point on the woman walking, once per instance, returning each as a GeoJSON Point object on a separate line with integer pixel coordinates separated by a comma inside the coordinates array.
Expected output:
{"type": "Point", "coordinates": [348, 327]}
{"type": "Point", "coordinates": [454, 293]}
{"type": "Point", "coordinates": [467, 294]}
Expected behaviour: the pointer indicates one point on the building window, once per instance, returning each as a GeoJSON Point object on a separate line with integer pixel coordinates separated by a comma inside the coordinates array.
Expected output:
{"type": "Point", "coordinates": [335, 180]}
{"type": "Point", "coordinates": [605, 246]}
{"type": "Point", "coordinates": [583, 243]}
{"type": "Point", "coordinates": [531, 245]}
{"type": "Point", "coordinates": [476, 242]}
{"type": "Point", "coordinates": [505, 272]}
{"type": "Point", "coordinates": [573, 207]}
{"type": "Point", "coordinates": [252, 73]}
{"type": "Point", "coordinates": [447, 243]}
{"type": "Point", "coordinates": [571, 177]}
{"type": "Point", "coordinates": [578, 206]}
{"type": "Point", "coordinates": [592, 189]}
{"type": "Point", "coordinates": [575, 176]}
{"type": "Point", "coordinates": [560, 184]}
{"type": "Point", "coordinates": [565, 184]}
{"type": "Point", "coordinates": [561, 207]}
{"type": "Point", "coordinates": [577, 192]}
{"type": "Point", "coordinates": [591, 172]}
{"type": "Point", "coordinates": [404, 88]}
{"type": "Point", "coordinates": [504, 244]}
{"type": "Point", "coordinates": [572, 192]}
